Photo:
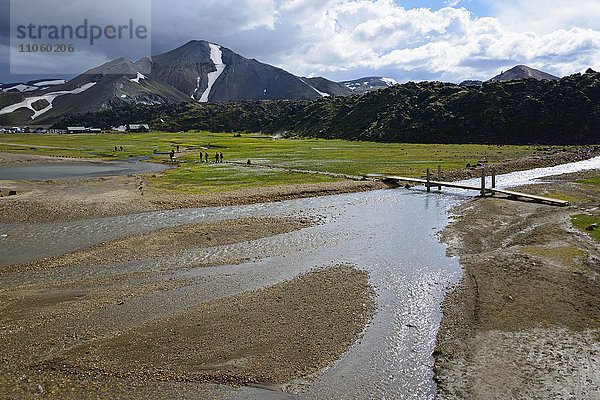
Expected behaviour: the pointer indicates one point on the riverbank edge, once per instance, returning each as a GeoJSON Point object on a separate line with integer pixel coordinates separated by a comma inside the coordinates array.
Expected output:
{"type": "Point", "coordinates": [482, 330]}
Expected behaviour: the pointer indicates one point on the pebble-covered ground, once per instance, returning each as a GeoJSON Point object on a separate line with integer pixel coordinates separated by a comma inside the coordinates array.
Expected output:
{"type": "Point", "coordinates": [525, 320]}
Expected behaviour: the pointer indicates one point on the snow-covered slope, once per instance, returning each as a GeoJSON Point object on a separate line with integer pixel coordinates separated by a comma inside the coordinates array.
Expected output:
{"type": "Point", "coordinates": [110, 85]}
{"type": "Point", "coordinates": [42, 104]}
{"type": "Point", "coordinates": [30, 86]}
{"type": "Point", "coordinates": [369, 84]}
{"type": "Point", "coordinates": [216, 56]}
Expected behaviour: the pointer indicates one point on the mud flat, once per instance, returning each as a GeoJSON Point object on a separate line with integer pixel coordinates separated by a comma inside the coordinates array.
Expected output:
{"type": "Point", "coordinates": [525, 320]}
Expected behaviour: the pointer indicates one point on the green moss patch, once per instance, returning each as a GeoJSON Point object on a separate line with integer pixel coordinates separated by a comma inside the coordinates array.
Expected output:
{"type": "Point", "coordinates": [583, 221]}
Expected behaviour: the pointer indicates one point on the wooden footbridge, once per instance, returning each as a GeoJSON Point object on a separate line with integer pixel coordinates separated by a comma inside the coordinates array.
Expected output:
{"type": "Point", "coordinates": [482, 189]}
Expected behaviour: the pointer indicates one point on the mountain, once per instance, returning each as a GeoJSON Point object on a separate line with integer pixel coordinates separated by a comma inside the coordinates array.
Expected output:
{"type": "Point", "coordinates": [114, 84]}
{"type": "Point", "coordinates": [369, 84]}
{"type": "Point", "coordinates": [526, 111]}
{"type": "Point", "coordinates": [327, 88]}
{"type": "Point", "coordinates": [523, 72]}
{"type": "Point", "coordinates": [208, 72]}
{"type": "Point", "coordinates": [197, 71]}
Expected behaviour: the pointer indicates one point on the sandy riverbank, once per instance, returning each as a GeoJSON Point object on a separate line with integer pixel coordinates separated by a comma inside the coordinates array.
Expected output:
{"type": "Point", "coordinates": [525, 320]}
{"type": "Point", "coordinates": [74, 199]}
{"type": "Point", "coordinates": [111, 322]}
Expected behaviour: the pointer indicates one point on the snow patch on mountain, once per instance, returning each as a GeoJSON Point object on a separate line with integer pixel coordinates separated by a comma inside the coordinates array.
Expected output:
{"type": "Point", "coordinates": [51, 83]}
{"type": "Point", "coordinates": [197, 88]}
{"type": "Point", "coordinates": [20, 88]}
{"type": "Point", "coordinates": [137, 79]}
{"type": "Point", "coordinates": [216, 56]}
{"type": "Point", "coordinates": [322, 94]}
{"type": "Point", "coordinates": [28, 103]}
{"type": "Point", "coordinates": [390, 81]}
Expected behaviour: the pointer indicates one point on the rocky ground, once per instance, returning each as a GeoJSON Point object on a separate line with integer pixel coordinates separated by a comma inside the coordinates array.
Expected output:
{"type": "Point", "coordinates": [525, 320]}
{"type": "Point", "coordinates": [169, 242]}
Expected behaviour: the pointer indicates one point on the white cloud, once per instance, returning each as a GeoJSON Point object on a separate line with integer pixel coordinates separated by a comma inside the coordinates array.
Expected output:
{"type": "Point", "coordinates": [450, 43]}
{"type": "Point", "coordinates": [343, 39]}
{"type": "Point", "coordinates": [184, 20]}
{"type": "Point", "coordinates": [546, 16]}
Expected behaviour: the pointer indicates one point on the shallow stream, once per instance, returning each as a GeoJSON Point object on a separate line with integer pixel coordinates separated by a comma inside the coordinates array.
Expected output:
{"type": "Point", "coordinates": [392, 234]}
{"type": "Point", "coordinates": [78, 170]}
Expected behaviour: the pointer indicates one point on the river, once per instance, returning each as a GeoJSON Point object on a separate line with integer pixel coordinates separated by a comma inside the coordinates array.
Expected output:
{"type": "Point", "coordinates": [391, 234]}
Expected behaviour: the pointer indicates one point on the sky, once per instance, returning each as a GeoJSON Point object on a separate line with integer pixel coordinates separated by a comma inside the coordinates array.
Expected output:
{"type": "Point", "coordinates": [412, 40]}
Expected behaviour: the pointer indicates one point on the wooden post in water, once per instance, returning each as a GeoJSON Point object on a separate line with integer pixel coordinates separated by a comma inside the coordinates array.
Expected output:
{"type": "Point", "coordinates": [439, 176]}
{"type": "Point", "coordinates": [482, 182]}
{"type": "Point", "coordinates": [493, 177]}
{"type": "Point", "coordinates": [428, 187]}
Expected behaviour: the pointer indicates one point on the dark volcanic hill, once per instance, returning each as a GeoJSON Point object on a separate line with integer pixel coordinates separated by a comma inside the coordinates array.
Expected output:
{"type": "Point", "coordinates": [525, 111]}
{"type": "Point", "coordinates": [522, 72]}
{"type": "Point", "coordinates": [209, 72]}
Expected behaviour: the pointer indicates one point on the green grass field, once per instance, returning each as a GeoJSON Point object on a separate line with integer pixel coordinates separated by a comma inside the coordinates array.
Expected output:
{"type": "Point", "coordinates": [581, 221]}
{"type": "Point", "coordinates": [339, 156]}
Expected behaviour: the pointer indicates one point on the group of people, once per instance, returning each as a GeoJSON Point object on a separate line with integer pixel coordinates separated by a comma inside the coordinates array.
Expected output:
{"type": "Point", "coordinates": [204, 157]}
{"type": "Point", "coordinates": [218, 157]}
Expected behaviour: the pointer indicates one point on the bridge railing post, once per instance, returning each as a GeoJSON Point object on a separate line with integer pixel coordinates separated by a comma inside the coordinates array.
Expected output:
{"type": "Point", "coordinates": [428, 180]}
{"type": "Point", "coordinates": [439, 176]}
{"type": "Point", "coordinates": [482, 182]}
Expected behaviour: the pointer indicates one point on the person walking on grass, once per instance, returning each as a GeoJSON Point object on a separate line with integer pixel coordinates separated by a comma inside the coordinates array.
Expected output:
{"type": "Point", "coordinates": [217, 157]}
{"type": "Point", "coordinates": [220, 157]}
{"type": "Point", "coordinates": [206, 156]}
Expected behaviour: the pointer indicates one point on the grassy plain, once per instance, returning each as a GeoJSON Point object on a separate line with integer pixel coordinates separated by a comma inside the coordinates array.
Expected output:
{"type": "Point", "coordinates": [337, 156]}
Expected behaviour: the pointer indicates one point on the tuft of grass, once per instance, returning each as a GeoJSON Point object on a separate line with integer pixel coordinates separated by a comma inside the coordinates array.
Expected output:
{"type": "Point", "coordinates": [595, 181]}
{"type": "Point", "coordinates": [582, 221]}
{"type": "Point", "coordinates": [570, 197]}
{"type": "Point", "coordinates": [566, 255]}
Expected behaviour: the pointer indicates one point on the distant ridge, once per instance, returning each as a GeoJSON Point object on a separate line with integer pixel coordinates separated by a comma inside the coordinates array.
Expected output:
{"type": "Point", "coordinates": [523, 72]}
{"type": "Point", "coordinates": [524, 111]}
{"type": "Point", "coordinates": [369, 84]}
